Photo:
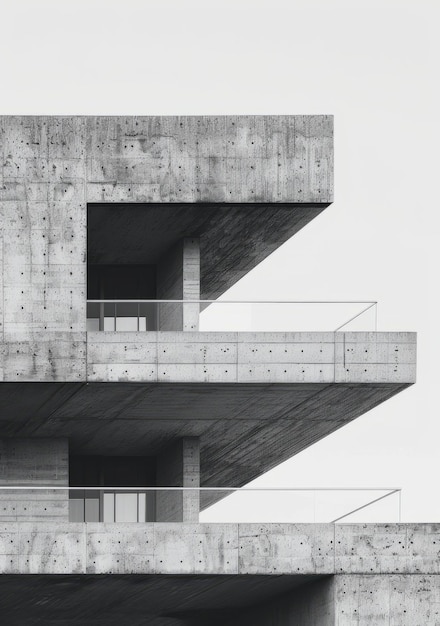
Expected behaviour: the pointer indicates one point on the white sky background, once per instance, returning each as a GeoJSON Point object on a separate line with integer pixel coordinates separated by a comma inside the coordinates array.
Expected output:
{"type": "Point", "coordinates": [374, 65]}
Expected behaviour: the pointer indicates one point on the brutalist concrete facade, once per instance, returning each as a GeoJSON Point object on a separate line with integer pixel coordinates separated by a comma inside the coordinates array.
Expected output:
{"type": "Point", "coordinates": [177, 209]}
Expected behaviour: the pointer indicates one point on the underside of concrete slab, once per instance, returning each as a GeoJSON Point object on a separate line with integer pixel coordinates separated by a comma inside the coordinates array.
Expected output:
{"type": "Point", "coordinates": [234, 238]}
{"type": "Point", "coordinates": [114, 600]}
{"type": "Point", "coordinates": [244, 429]}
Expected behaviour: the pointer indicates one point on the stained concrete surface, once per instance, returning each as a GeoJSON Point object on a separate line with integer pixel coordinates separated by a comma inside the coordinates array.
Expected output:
{"type": "Point", "coordinates": [232, 549]}
{"type": "Point", "coordinates": [212, 574]}
{"type": "Point", "coordinates": [52, 167]}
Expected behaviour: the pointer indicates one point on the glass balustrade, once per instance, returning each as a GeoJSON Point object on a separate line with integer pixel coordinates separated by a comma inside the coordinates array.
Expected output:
{"type": "Point", "coordinates": [230, 316]}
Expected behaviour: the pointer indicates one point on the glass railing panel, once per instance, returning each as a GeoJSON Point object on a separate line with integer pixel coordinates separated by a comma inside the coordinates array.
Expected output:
{"type": "Point", "coordinates": [228, 316]}
{"type": "Point", "coordinates": [219, 505]}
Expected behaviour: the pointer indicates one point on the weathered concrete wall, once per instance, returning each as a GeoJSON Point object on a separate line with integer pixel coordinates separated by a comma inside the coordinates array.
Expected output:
{"type": "Point", "coordinates": [209, 159]}
{"type": "Point", "coordinates": [179, 466]}
{"type": "Point", "coordinates": [34, 462]}
{"type": "Point", "coordinates": [178, 278]}
{"type": "Point", "coordinates": [387, 600]}
{"type": "Point", "coordinates": [252, 357]}
{"type": "Point", "coordinates": [51, 167]}
{"type": "Point", "coordinates": [43, 216]}
{"type": "Point", "coordinates": [275, 549]}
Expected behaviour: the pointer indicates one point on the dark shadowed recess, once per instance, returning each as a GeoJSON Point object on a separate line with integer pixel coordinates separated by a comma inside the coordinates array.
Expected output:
{"type": "Point", "coordinates": [245, 429]}
{"type": "Point", "coordinates": [234, 238]}
{"type": "Point", "coordinates": [136, 600]}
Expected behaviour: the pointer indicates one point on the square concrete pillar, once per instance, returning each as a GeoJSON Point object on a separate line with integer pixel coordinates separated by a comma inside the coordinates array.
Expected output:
{"type": "Point", "coordinates": [178, 278]}
{"type": "Point", "coordinates": [34, 463]}
{"type": "Point", "coordinates": [179, 466]}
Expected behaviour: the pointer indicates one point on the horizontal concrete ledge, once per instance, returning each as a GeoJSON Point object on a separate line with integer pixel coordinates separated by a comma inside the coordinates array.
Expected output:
{"type": "Point", "coordinates": [69, 548]}
{"type": "Point", "coordinates": [249, 357]}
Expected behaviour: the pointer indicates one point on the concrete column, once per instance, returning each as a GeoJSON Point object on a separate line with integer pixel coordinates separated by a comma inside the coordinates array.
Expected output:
{"type": "Point", "coordinates": [178, 278]}
{"type": "Point", "coordinates": [34, 462]}
{"type": "Point", "coordinates": [179, 466]}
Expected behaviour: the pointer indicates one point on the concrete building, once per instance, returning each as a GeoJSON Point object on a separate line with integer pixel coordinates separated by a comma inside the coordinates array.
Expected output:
{"type": "Point", "coordinates": [113, 230]}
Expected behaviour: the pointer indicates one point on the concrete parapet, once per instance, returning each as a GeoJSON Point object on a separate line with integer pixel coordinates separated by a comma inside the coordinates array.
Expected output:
{"type": "Point", "coordinates": [245, 549]}
{"type": "Point", "coordinates": [246, 357]}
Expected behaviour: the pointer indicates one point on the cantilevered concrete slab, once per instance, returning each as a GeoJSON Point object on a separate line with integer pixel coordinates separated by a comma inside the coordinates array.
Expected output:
{"type": "Point", "coordinates": [115, 600]}
{"type": "Point", "coordinates": [254, 399]}
{"type": "Point", "coordinates": [234, 238]}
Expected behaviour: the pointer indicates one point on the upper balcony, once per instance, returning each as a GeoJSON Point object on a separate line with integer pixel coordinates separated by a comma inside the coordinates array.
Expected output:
{"type": "Point", "coordinates": [218, 341]}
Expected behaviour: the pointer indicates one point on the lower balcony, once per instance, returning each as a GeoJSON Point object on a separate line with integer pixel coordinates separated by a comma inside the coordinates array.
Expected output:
{"type": "Point", "coordinates": [235, 574]}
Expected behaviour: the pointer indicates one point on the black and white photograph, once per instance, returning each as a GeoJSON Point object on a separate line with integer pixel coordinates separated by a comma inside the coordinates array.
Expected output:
{"type": "Point", "coordinates": [219, 313]}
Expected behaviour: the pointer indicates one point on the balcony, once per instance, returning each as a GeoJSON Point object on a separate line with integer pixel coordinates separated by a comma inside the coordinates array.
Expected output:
{"type": "Point", "coordinates": [226, 549]}
{"type": "Point", "coordinates": [244, 342]}
{"type": "Point", "coordinates": [233, 505]}
{"type": "Point", "coordinates": [230, 316]}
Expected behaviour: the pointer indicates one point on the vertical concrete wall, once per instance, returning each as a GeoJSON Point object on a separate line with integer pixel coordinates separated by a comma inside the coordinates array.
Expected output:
{"type": "Point", "coordinates": [34, 462]}
{"type": "Point", "coordinates": [179, 466]}
{"type": "Point", "coordinates": [51, 167]}
{"type": "Point", "coordinates": [178, 278]}
{"type": "Point", "coordinates": [384, 600]}
{"type": "Point", "coordinates": [43, 231]}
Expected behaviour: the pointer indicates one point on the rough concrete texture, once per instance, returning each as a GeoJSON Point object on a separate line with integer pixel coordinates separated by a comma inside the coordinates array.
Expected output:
{"type": "Point", "coordinates": [247, 357]}
{"type": "Point", "coordinates": [398, 600]}
{"type": "Point", "coordinates": [34, 462]}
{"type": "Point", "coordinates": [272, 574]}
{"type": "Point", "coordinates": [51, 167]}
{"type": "Point", "coordinates": [233, 549]}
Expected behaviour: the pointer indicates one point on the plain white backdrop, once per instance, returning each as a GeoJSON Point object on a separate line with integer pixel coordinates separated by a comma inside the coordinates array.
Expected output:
{"type": "Point", "coordinates": [374, 65]}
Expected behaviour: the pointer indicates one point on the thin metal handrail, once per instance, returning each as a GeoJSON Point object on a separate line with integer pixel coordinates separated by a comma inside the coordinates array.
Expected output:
{"type": "Point", "coordinates": [114, 304]}
{"type": "Point", "coordinates": [227, 490]}
{"type": "Point", "coordinates": [135, 301]}
{"type": "Point", "coordinates": [374, 304]}
{"type": "Point", "coordinates": [364, 506]}
{"type": "Point", "coordinates": [159, 488]}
